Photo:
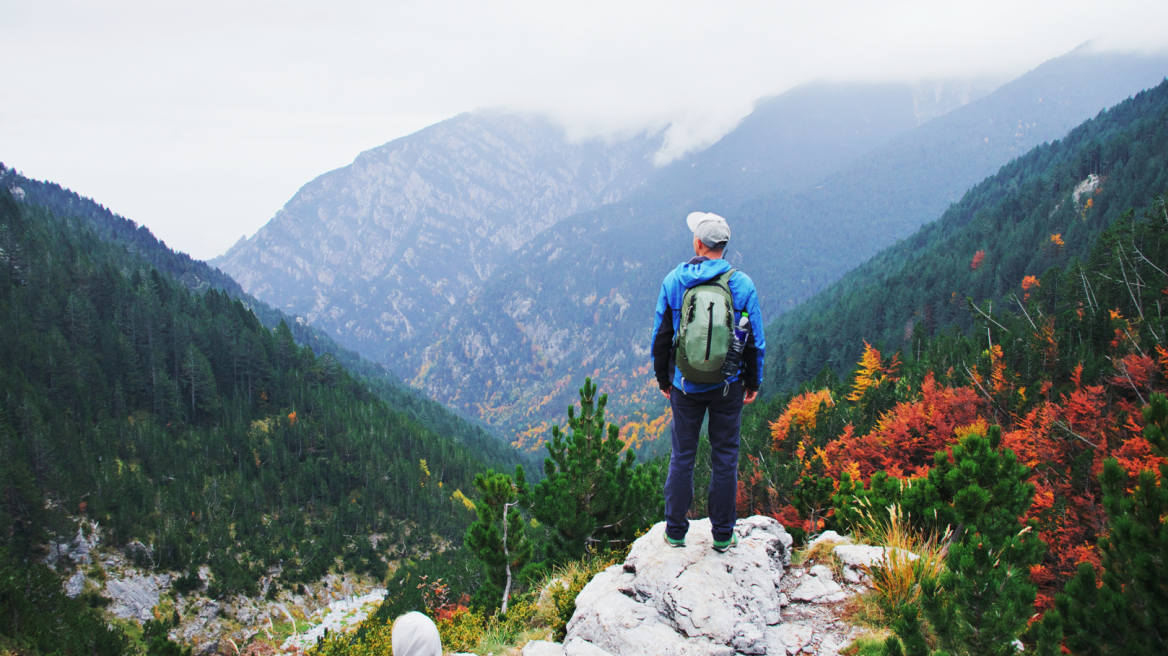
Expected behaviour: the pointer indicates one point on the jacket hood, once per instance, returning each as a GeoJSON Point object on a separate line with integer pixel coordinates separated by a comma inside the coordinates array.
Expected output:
{"type": "Point", "coordinates": [695, 274]}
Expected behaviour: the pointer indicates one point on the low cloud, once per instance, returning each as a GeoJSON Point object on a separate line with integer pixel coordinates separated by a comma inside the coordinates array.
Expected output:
{"type": "Point", "coordinates": [202, 120]}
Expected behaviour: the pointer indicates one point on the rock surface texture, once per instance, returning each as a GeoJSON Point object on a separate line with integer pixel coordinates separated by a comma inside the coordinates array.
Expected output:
{"type": "Point", "coordinates": [697, 602]}
{"type": "Point", "coordinates": [373, 252]}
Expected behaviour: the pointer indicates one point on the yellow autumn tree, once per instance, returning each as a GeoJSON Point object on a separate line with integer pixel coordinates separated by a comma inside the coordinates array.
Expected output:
{"type": "Point", "coordinates": [871, 373]}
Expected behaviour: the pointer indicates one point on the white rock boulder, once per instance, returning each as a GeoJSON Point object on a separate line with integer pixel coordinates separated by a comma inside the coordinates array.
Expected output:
{"type": "Point", "coordinates": [830, 536]}
{"type": "Point", "coordinates": [75, 585]}
{"type": "Point", "coordinates": [135, 596]}
{"type": "Point", "coordinates": [691, 601]}
{"type": "Point", "coordinates": [859, 555]}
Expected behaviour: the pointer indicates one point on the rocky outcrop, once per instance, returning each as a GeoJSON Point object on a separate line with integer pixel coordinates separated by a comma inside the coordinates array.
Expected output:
{"type": "Point", "coordinates": [697, 602]}
{"type": "Point", "coordinates": [207, 625]}
{"type": "Point", "coordinates": [136, 595]}
{"type": "Point", "coordinates": [338, 616]}
{"type": "Point", "coordinates": [76, 551]}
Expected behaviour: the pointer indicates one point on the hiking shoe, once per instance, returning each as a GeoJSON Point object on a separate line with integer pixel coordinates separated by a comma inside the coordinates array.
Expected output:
{"type": "Point", "coordinates": [676, 544]}
{"type": "Point", "coordinates": [721, 546]}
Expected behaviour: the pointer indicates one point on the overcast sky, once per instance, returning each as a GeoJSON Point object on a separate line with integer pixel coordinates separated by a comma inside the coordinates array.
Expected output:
{"type": "Point", "coordinates": [200, 121]}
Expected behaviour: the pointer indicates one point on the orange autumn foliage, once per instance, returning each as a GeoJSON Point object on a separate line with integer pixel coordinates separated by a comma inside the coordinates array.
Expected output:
{"type": "Point", "coordinates": [801, 413]}
{"type": "Point", "coordinates": [1163, 360]}
{"type": "Point", "coordinates": [999, 381]}
{"type": "Point", "coordinates": [1134, 371]}
{"type": "Point", "coordinates": [1084, 425]}
{"type": "Point", "coordinates": [978, 258]}
{"type": "Point", "coordinates": [907, 436]}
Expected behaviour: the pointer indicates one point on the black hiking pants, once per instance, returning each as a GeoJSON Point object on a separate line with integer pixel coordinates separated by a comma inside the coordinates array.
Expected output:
{"type": "Point", "coordinates": [725, 411]}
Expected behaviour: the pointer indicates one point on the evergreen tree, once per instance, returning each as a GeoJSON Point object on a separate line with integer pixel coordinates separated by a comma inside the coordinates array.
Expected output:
{"type": "Point", "coordinates": [1126, 613]}
{"type": "Point", "coordinates": [981, 603]}
{"type": "Point", "coordinates": [198, 382]}
{"type": "Point", "coordinates": [591, 495]}
{"type": "Point", "coordinates": [812, 498]}
{"type": "Point", "coordinates": [498, 537]}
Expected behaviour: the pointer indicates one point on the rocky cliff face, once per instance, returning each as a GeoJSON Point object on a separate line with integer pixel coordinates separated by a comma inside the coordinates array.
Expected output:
{"type": "Point", "coordinates": [372, 252]}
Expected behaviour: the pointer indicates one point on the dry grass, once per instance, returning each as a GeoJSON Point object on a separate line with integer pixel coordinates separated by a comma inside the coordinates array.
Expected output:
{"type": "Point", "coordinates": [864, 610]}
{"type": "Point", "coordinates": [897, 580]}
{"type": "Point", "coordinates": [820, 553]}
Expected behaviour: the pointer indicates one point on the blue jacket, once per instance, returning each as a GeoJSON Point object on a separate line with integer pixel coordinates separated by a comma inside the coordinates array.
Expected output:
{"type": "Point", "coordinates": [744, 297]}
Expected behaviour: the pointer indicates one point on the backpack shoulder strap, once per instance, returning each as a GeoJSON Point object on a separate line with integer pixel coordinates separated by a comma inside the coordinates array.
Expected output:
{"type": "Point", "coordinates": [723, 280]}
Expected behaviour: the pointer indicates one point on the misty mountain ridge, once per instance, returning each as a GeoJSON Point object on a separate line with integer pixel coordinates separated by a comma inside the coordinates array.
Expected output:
{"type": "Point", "coordinates": [372, 251]}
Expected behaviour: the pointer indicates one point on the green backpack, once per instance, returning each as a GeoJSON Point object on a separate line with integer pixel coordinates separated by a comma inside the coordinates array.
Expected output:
{"type": "Point", "coordinates": [707, 325]}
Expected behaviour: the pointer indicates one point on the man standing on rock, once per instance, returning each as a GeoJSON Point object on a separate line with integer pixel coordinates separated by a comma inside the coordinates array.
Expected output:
{"type": "Point", "coordinates": [701, 303]}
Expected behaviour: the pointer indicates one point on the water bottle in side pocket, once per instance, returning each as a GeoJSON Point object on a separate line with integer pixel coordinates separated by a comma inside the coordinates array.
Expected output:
{"type": "Point", "coordinates": [737, 347]}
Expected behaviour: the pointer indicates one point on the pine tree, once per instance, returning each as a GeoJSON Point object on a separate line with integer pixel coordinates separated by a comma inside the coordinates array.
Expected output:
{"type": "Point", "coordinates": [497, 537]}
{"type": "Point", "coordinates": [591, 495]}
{"type": "Point", "coordinates": [1126, 613]}
{"type": "Point", "coordinates": [198, 381]}
{"type": "Point", "coordinates": [981, 603]}
{"type": "Point", "coordinates": [812, 498]}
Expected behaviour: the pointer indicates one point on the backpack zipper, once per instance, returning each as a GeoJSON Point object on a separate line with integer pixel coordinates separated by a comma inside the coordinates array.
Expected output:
{"type": "Point", "coordinates": [710, 331]}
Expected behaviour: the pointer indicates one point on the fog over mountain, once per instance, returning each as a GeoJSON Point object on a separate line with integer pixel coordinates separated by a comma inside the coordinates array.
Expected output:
{"type": "Point", "coordinates": [232, 107]}
{"type": "Point", "coordinates": [376, 252]}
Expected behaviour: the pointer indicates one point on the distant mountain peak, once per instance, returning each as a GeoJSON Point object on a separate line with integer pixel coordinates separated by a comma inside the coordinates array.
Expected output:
{"type": "Point", "coordinates": [373, 251]}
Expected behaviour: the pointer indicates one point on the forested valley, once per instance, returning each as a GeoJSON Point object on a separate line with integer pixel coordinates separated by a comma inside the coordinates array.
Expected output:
{"type": "Point", "coordinates": [191, 434]}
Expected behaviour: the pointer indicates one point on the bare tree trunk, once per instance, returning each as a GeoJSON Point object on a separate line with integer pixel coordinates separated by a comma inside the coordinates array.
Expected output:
{"type": "Point", "coordinates": [507, 556]}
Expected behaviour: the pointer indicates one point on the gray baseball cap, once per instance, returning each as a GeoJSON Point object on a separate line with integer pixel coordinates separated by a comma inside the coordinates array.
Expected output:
{"type": "Point", "coordinates": [710, 228]}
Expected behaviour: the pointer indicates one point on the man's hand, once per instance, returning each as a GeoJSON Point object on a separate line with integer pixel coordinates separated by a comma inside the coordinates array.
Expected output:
{"type": "Point", "coordinates": [665, 393]}
{"type": "Point", "coordinates": [751, 395]}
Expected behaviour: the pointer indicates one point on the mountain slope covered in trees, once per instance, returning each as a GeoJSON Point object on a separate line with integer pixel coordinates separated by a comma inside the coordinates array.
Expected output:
{"type": "Point", "coordinates": [176, 419]}
{"type": "Point", "coordinates": [1040, 211]}
{"type": "Point", "coordinates": [1030, 314]}
{"type": "Point", "coordinates": [577, 300]}
{"type": "Point", "coordinates": [817, 234]}
{"type": "Point", "coordinates": [198, 276]}
{"type": "Point", "coordinates": [1065, 384]}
